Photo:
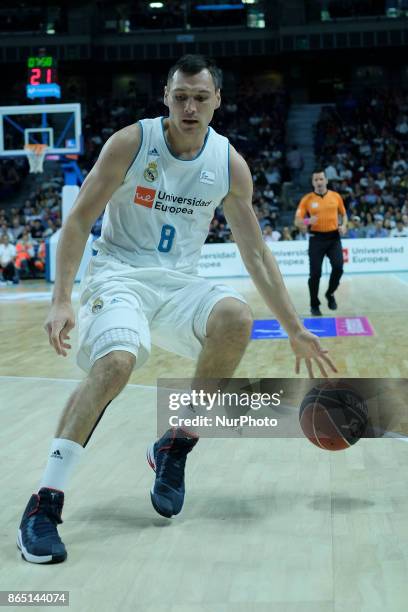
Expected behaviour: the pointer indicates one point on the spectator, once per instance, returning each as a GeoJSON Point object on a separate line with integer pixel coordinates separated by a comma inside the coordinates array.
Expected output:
{"type": "Point", "coordinates": [273, 175]}
{"type": "Point", "coordinates": [402, 126]}
{"type": "Point", "coordinates": [39, 260]}
{"type": "Point", "coordinates": [387, 226]}
{"type": "Point", "coordinates": [370, 197]}
{"type": "Point", "coordinates": [378, 231]}
{"type": "Point", "coordinates": [213, 234]}
{"type": "Point", "coordinates": [270, 235]}
{"type": "Point", "coordinates": [37, 230]}
{"type": "Point", "coordinates": [369, 223]}
{"type": "Point", "coordinates": [355, 229]}
{"type": "Point", "coordinates": [286, 235]}
{"type": "Point", "coordinates": [268, 194]}
{"type": "Point", "coordinates": [16, 228]}
{"type": "Point", "coordinates": [49, 230]}
{"type": "Point", "coordinates": [400, 231]}
{"type": "Point", "coordinates": [381, 180]}
{"type": "Point", "coordinates": [25, 260]}
{"type": "Point", "coordinates": [331, 172]}
{"type": "Point", "coordinates": [6, 231]}
{"type": "Point", "coordinates": [399, 164]}
{"type": "Point", "coordinates": [7, 260]}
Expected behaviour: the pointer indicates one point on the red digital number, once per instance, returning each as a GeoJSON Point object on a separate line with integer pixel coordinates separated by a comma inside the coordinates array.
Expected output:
{"type": "Point", "coordinates": [49, 75]}
{"type": "Point", "coordinates": [35, 76]}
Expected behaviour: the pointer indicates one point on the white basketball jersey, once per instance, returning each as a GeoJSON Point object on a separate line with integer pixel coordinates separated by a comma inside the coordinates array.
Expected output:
{"type": "Point", "coordinates": [160, 215]}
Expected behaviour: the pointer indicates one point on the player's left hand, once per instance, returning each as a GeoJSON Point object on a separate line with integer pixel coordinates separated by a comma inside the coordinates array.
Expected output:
{"type": "Point", "coordinates": [342, 230]}
{"type": "Point", "coordinates": [307, 346]}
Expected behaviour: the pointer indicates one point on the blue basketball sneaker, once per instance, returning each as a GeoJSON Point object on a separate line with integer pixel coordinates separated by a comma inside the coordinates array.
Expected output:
{"type": "Point", "coordinates": [167, 457]}
{"type": "Point", "coordinates": [37, 536]}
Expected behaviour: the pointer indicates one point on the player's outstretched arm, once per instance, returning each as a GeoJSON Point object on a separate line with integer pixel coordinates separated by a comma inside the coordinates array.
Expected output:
{"type": "Point", "coordinates": [264, 270]}
{"type": "Point", "coordinates": [105, 177]}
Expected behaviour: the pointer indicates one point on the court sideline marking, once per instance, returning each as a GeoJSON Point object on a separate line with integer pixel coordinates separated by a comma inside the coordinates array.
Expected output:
{"type": "Point", "coordinates": [71, 380]}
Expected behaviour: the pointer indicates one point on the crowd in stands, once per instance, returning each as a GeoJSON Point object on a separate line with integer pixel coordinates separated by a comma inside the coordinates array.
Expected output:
{"type": "Point", "coordinates": [362, 143]}
{"type": "Point", "coordinates": [23, 232]}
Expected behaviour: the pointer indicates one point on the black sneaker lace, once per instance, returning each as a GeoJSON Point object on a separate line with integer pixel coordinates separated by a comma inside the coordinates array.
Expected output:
{"type": "Point", "coordinates": [172, 467]}
{"type": "Point", "coordinates": [46, 520]}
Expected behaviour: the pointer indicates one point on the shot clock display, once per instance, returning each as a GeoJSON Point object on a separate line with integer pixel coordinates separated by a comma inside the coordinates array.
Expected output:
{"type": "Point", "coordinates": [42, 77]}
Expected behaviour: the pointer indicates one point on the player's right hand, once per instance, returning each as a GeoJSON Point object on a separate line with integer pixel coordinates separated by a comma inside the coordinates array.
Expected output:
{"type": "Point", "coordinates": [58, 324]}
{"type": "Point", "coordinates": [313, 219]}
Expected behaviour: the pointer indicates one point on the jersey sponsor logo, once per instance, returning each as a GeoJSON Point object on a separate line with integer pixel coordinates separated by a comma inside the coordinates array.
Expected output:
{"type": "Point", "coordinates": [144, 196]}
{"type": "Point", "coordinates": [175, 204]}
{"type": "Point", "coordinates": [207, 177]}
{"type": "Point", "coordinates": [154, 151]}
{"type": "Point", "coordinates": [151, 173]}
{"type": "Point", "coordinates": [176, 199]}
{"type": "Point", "coordinates": [173, 209]}
{"type": "Point", "coordinates": [315, 205]}
{"type": "Point", "coordinates": [168, 202]}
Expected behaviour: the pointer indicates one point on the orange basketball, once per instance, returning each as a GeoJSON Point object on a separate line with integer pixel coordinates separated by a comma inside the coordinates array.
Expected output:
{"type": "Point", "coordinates": [333, 415]}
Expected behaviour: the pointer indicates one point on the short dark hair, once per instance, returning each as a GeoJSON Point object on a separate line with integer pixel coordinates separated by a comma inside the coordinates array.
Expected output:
{"type": "Point", "coordinates": [193, 64]}
{"type": "Point", "coordinates": [319, 171]}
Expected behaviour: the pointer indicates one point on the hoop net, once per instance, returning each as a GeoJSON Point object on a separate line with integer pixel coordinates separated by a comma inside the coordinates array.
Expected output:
{"type": "Point", "coordinates": [36, 155]}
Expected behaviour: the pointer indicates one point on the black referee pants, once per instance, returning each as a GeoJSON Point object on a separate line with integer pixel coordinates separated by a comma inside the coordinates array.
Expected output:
{"type": "Point", "coordinates": [321, 244]}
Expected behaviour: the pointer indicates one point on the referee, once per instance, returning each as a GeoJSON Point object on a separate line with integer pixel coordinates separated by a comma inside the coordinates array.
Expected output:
{"type": "Point", "coordinates": [320, 210]}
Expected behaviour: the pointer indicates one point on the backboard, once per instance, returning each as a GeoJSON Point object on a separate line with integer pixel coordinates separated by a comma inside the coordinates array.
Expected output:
{"type": "Point", "coordinates": [56, 125]}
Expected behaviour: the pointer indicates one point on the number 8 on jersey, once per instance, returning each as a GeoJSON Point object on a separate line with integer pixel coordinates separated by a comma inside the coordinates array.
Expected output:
{"type": "Point", "coordinates": [166, 239]}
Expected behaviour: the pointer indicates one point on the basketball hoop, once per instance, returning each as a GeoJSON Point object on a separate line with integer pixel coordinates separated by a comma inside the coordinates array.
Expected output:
{"type": "Point", "coordinates": [36, 155]}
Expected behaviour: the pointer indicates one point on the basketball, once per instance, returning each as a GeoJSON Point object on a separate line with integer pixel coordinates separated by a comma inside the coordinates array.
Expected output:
{"type": "Point", "coordinates": [333, 416]}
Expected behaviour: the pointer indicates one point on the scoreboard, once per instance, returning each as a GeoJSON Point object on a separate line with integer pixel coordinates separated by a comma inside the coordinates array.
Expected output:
{"type": "Point", "coordinates": [42, 77]}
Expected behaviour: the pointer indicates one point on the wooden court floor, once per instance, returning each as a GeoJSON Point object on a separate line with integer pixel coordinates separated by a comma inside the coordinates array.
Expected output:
{"type": "Point", "coordinates": [268, 525]}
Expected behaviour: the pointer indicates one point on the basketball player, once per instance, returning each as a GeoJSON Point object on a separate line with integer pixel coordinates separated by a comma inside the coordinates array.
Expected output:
{"type": "Point", "coordinates": [320, 211]}
{"type": "Point", "coordinates": [162, 179]}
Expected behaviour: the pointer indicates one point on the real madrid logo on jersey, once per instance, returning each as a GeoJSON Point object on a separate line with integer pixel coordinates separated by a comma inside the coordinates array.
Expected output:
{"type": "Point", "coordinates": [151, 173]}
{"type": "Point", "coordinates": [97, 305]}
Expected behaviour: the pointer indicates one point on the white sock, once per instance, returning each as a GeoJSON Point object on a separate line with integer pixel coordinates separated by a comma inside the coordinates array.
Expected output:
{"type": "Point", "coordinates": [63, 457]}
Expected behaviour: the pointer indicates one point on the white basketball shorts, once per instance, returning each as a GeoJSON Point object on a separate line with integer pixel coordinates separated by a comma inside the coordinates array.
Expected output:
{"type": "Point", "coordinates": [165, 307]}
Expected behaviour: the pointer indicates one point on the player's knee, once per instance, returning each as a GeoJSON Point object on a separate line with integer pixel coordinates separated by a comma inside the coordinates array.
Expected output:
{"type": "Point", "coordinates": [115, 368]}
{"type": "Point", "coordinates": [230, 317]}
